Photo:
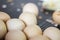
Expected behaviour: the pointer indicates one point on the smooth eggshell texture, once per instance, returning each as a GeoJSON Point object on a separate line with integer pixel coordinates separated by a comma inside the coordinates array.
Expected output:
{"type": "Point", "coordinates": [15, 35]}
{"type": "Point", "coordinates": [53, 33]}
{"type": "Point", "coordinates": [32, 8]}
{"type": "Point", "coordinates": [3, 29]}
{"type": "Point", "coordinates": [56, 17]}
{"type": "Point", "coordinates": [4, 16]}
{"type": "Point", "coordinates": [39, 38]}
{"type": "Point", "coordinates": [15, 24]}
{"type": "Point", "coordinates": [28, 18]}
{"type": "Point", "coordinates": [32, 30]}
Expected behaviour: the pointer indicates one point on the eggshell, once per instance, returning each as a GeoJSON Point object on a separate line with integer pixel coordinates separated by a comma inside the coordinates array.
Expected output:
{"type": "Point", "coordinates": [28, 18]}
{"type": "Point", "coordinates": [3, 29]}
{"type": "Point", "coordinates": [4, 16]}
{"type": "Point", "coordinates": [32, 30]}
{"type": "Point", "coordinates": [15, 35]}
{"type": "Point", "coordinates": [32, 8]}
{"type": "Point", "coordinates": [39, 38]}
{"type": "Point", "coordinates": [56, 17]}
{"type": "Point", "coordinates": [15, 24]}
{"type": "Point", "coordinates": [53, 33]}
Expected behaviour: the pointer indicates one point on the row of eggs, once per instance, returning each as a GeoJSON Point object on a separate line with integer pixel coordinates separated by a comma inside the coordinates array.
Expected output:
{"type": "Point", "coordinates": [25, 27]}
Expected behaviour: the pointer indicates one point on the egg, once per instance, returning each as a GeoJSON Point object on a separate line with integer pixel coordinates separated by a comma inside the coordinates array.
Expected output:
{"type": "Point", "coordinates": [56, 17]}
{"type": "Point", "coordinates": [28, 18]}
{"type": "Point", "coordinates": [15, 24]}
{"type": "Point", "coordinates": [15, 35]}
{"type": "Point", "coordinates": [3, 29]}
{"type": "Point", "coordinates": [32, 30]}
{"type": "Point", "coordinates": [51, 4]}
{"type": "Point", "coordinates": [4, 16]}
{"type": "Point", "coordinates": [32, 8]}
{"type": "Point", "coordinates": [39, 38]}
{"type": "Point", "coordinates": [53, 33]}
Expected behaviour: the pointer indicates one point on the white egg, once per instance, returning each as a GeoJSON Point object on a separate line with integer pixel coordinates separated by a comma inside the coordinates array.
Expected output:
{"type": "Point", "coordinates": [15, 35]}
{"type": "Point", "coordinates": [4, 16]}
{"type": "Point", "coordinates": [39, 38]}
{"type": "Point", "coordinates": [28, 18]}
{"type": "Point", "coordinates": [32, 8]}
{"type": "Point", "coordinates": [15, 24]}
{"type": "Point", "coordinates": [32, 30]}
{"type": "Point", "coordinates": [3, 29]}
{"type": "Point", "coordinates": [53, 33]}
{"type": "Point", "coordinates": [51, 4]}
{"type": "Point", "coordinates": [56, 17]}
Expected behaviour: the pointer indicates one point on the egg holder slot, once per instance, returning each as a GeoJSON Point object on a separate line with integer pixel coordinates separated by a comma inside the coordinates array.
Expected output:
{"type": "Point", "coordinates": [50, 19]}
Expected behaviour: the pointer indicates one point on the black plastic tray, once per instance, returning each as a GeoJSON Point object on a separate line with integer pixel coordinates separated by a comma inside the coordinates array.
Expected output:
{"type": "Point", "coordinates": [14, 9]}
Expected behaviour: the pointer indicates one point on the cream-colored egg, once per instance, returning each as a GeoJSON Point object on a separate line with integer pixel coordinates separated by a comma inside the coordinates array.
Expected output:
{"type": "Point", "coordinates": [15, 24]}
{"type": "Point", "coordinates": [39, 38]}
{"type": "Point", "coordinates": [32, 8]}
{"type": "Point", "coordinates": [3, 29]}
{"type": "Point", "coordinates": [56, 17]}
{"type": "Point", "coordinates": [32, 30]}
{"type": "Point", "coordinates": [51, 4]}
{"type": "Point", "coordinates": [53, 33]}
{"type": "Point", "coordinates": [4, 16]}
{"type": "Point", "coordinates": [15, 35]}
{"type": "Point", "coordinates": [28, 18]}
